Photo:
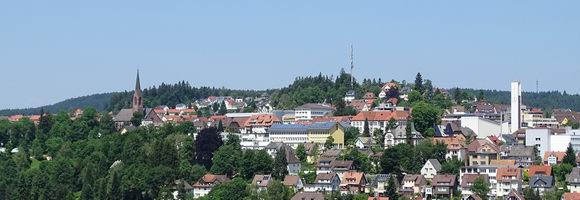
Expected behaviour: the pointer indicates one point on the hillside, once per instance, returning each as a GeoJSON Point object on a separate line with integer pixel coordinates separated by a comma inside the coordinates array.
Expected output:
{"type": "Point", "coordinates": [97, 101]}
{"type": "Point", "coordinates": [546, 100]}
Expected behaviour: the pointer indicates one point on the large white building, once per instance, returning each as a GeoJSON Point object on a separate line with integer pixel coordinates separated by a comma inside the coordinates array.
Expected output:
{"type": "Point", "coordinates": [291, 134]}
{"type": "Point", "coordinates": [481, 127]}
{"type": "Point", "coordinates": [540, 138]}
{"type": "Point", "coordinates": [516, 106]}
{"type": "Point", "coordinates": [310, 111]}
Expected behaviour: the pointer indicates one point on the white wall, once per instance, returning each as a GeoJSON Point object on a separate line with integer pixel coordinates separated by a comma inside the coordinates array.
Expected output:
{"type": "Point", "coordinates": [481, 127]}
{"type": "Point", "coordinates": [559, 142]}
{"type": "Point", "coordinates": [540, 138]}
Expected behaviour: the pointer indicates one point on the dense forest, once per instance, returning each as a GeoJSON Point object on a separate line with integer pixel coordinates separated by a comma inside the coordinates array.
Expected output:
{"type": "Point", "coordinates": [172, 94]}
{"type": "Point", "coordinates": [97, 101]}
{"type": "Point", "coordinates": [547, 100]}
{"type": "Point", "coordinates": [321, 89]}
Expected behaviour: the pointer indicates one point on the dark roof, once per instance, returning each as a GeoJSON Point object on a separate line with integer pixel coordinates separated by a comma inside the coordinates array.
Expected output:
{"type": "Point", "coordinates": [574, 176]}
{"type": "Point", "coordinates": [445, 179]}
{"type": "Point", "coordinates": [381, 178]}
{"type": "Point", "coordinates": [468, 179]}
{"type": "Point", "coordinates": [541, 181]}
{"type": "Point", "coordinates": [325, 176]}
{"type": "Point", "coordinates": [435, 164]}
{"type": "Point", "coordinates": [308, 196]}
{"type": "Point", "coordinates": [281, 128]}
{"type": "Point", "coordinates": [124, 115]}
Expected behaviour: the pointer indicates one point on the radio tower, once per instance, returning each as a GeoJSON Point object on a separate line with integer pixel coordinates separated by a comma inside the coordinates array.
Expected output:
{"type": "Point", "coordinates": [351, 67]}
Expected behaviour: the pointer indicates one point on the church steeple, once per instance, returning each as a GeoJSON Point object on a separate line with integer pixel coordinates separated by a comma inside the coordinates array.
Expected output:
{"type": "Point", "coordinates": [137, 96]}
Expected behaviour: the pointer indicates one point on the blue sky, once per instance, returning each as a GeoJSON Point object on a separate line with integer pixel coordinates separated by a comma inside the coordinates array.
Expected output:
{"type": "Point", "coordinates": [54, 50]}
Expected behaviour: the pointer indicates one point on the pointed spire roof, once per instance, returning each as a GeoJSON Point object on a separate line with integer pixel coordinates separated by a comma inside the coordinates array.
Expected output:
{"type": "Point", "coordinates": [138, 84]}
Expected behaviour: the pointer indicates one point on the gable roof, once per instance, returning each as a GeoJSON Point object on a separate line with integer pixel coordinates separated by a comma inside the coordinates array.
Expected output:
{"type": "Point", "coordinates": [325, 177]}
{"type": "Point", "coordinates": [469, 179]}
{"type": "Point", "coordinates": [261, 120]}
{"type": "Point", "coordinates": [435, 163]}
{"type": "Point", "coordinates": [352, 177]}
{"type": "Point", "coordinates": [508, 174]}
{"type": "Point", "coordinates": [261, 180]}
{"type": "Point", "coordinates": [212, 179]}
{"type": "Point", "coordinates": [539, 170]}
{"type": "Point", "coordinates": [574, 176]}
{"type": "Point", "coordinates": [571, 196]}
{"type": "Point", "coordinates": [558, 154]}
{"type": "Point", "coordinates": [541, 181]}
{"type": "Point", "coordinates": [290, 180]}
{"type": "Point", "coordinates": [444, 179]}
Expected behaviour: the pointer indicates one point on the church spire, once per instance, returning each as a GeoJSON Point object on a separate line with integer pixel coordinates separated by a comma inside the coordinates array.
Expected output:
{"type": "Point", "coordinates": [137, 96]}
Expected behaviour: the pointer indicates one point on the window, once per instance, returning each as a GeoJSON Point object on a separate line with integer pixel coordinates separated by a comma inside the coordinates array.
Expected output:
{"type": "Point", "coordinates": [537, 139]}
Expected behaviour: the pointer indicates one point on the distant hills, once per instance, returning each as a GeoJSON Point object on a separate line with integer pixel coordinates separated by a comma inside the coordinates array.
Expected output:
{"type": "Point", "coordinates": [182, 92]}
{"type": "Point", "coordinates": [97, 101]}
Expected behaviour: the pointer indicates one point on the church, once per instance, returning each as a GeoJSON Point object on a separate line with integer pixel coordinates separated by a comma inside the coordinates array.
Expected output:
{"type": "Point", "coordinates": [123, 118]}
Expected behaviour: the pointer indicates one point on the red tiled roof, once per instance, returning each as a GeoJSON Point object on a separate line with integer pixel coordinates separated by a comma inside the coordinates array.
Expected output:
{"type": "Point", "coordinates": [538, 169]}
{"type": "Point", "coordinates": [261, 120]}
{"type": "Point", "coordinates": [381, 115]}
{"type": "Point", "coordinates": [571, 196]}
{"type": "Point", "coordinates": [559, 155]}
{"type": "Point", "coordinates": [506, 174]}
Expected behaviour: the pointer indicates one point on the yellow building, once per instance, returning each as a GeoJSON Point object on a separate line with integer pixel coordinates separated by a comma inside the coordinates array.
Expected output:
{"type": "Point", "coordinates": [319, 132]}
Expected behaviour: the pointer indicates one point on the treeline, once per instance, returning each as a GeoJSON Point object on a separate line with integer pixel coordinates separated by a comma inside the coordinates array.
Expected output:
{"type": "Point", "coordinates": [546, 100]}
{"type": "Point", "coordinates": [321, 89]}
{"type": "Point", "coordinates": [172, 94]}
{"type": "Point", "coordinates": [97, 101]}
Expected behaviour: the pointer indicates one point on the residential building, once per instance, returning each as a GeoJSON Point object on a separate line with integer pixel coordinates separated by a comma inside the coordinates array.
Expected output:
{"type": "Point", "coordinates": [294, 165]}
{"type": "Point", "coordinates": [553, 157]}
{"type": "Point", "coordinates": [378, 183]}
{"type": "Point", "coordinates": [294, 182]}
{"type": "Point", "coordinates": [320, 131]}
{"type": "Point", "coordinates": [443, 186]}
{"type": "Point", "coordinates": [326, 182]}
{"type": "Point", "coordinates": [482, 151]}
{"type": "Point", "coordinates": [206, 183]}
{"type": "Point", "coordinates": [455, 147]}
{"type": "Point", "coordinates": [534, 118]}
{"type": "Point", "coordinates": [524, 156]}
{"type": "Point", "coordinates": [431, 168]}
{"type": "Point", "coordinates": [340, 167]}
{"type": "Point", "coordinates": [353, 182]}
{"type": "Point", "coordinates": [488, 170]}
{"type": "Point", "coordinates": [541, 183]}
{"type": "Point", "coordinates": [311, 111]}
{"type": "Point", "coordinates": [539, 170]}
{"type": "Point", "coordinates": [413, 184]}
{"type": "Point", "coordinates": [324, 165]}
{"type": "Point", "coordinates": [513, 195]}
{"type": "Point", "coordinates": [539, 137]}
{"type": "Point", "coordinates": [262, 182]}
{"type": "Point", "coordinates": [256, 129]}
{"type": "Point", "coordinates": [291, 134]}
{"type": "Point", "coordinates": [365, 142]}
{"type": "Point", "coordinates": [379, 119]}
{"type": "Point", "coordinates": [573, 180]}
{"type": "Point", "coordinates": [509, 179]}
{"type": "Point", "coordinates": [468, 180]}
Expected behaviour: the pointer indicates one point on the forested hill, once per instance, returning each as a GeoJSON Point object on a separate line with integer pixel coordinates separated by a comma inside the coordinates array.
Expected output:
{"type": "Point", "coordinates": [97, 101]}
{"type": "Point", "coordinates": [545, 100]}
{"type": "Point", "coordinates": [172, 94]}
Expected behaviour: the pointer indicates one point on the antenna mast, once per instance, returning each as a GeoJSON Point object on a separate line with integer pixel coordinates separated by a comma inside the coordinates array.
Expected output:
{"type": "Point", "coordinates": [351, 67]}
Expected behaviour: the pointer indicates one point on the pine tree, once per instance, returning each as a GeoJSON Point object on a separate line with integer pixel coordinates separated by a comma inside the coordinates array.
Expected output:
{"type": "Point", "coordinates": [391, 190]}
{"type": "Point", "coordinates": [220, 126]}
{"type": "Point", "coordinates": [280, 164]}
{"type": "Point", "coordinates": [223, 109]}
{"type": "Point", "coordinates": [419, 83]}
{"type": "Point", "coordinates": [366, 131]}
{"type": "Point", "coordinates": [570, 157]}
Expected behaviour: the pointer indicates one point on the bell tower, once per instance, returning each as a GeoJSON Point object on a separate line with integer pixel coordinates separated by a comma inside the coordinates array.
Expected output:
{"type": "Point", "coordinates": [137, 96]}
